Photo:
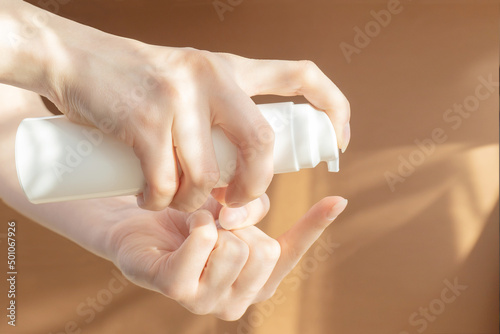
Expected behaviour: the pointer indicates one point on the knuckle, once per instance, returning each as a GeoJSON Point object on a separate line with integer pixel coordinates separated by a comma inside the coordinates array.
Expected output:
{"type": "Point", "coordinates": [159, 86]}
{"type": "Point", "coordinates": [144, 120]}
{"type": "Point", "coordinates": [341, 100]}
{"type": "Point", "coordinates": [267, 176]}
{"type": "Point", "coordinates": [291, 252]}
{"type": "Point", "coordinates": [179, 206]}
{"type": "Point", "coordinates": [265, 135]}
{"type": "Point", "coordinates": [265, 295]}
{"type": "Point", "coordinates": [191, 197]}
{"type": "Point", "coordinates": [206, 236]}
{"type": "Point", "coordinates": [169, 90]}
{"type": "Point", "coordinates": [308, 72]}
{"type": "Point", "coordinates": [175, 290]}
{"type": "Point", "coordinates": [162, 190]}
{"type": "Point", "coordinates": [347, 103]}
{"type": "Point", "coordinates": [238, 249]}
{"type": "Point", "coordinates": [200, 307]}
{"type": "Point", "coordinates": [143, 124]}
{"type": "Point", "coordinates": [204, 62]}
{"type": "Point", "coordinates": [193, 62]}
{"type": "Point", "coordinates": [152, 206]}
{"type": "Point", "coordinates": [196, 203]}
{"type": "Point", "coordinates": [268, 251]}
{"type": "Point", "coordinates": [188, 206]}
{"type": "Point", "coordinates": [250, 192]}
{"type": "Point", "coordinates": [308, 67]}
{"type": "Point", "coordinates": [206, 179]}
{"type": "Point", "coordinates": [231, 313]}
{"type": "Point", "coordinates": [347, 107]}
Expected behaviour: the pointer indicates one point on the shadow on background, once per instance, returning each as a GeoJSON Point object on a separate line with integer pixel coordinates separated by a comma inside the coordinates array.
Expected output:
{"type": "Point", "coordinates": [395, 248]}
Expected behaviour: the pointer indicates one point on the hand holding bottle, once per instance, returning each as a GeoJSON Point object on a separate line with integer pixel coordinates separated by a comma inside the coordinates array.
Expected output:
{"type": "Point", "coordinates": [163, 101]}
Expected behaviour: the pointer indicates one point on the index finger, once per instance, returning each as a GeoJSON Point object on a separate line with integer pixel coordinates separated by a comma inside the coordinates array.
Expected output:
{"type": "Point", "coordinates": [249, 131]}
{"type": "Point", "coordinates": [296, 241]}
{"type": "Point", "coordinates": [290, 78]}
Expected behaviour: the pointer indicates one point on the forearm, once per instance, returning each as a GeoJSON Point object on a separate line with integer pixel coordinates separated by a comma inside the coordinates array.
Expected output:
{"type": "Point", "coordinates": [24, 42]}
{"type": "Point", "coordinates": [37, 47]}
{"type": "Point", "coordinates": [85, 222]}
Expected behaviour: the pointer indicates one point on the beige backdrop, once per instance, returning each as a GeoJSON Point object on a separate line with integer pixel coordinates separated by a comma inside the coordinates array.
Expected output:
{"type": "Point", "coordinates": [392, 253]}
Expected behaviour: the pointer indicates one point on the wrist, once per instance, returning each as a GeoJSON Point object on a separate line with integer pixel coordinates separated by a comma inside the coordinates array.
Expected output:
{"type": "Point", "coordinates": [77, 56]}
{"type": "Point", "coordinates": [90, 223]}
{"type": "Point", "coordinates": [23, 45]}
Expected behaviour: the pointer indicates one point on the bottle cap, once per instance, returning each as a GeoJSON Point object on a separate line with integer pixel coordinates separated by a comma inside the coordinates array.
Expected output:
{"type": "Point", "coordinates": [304, 136]}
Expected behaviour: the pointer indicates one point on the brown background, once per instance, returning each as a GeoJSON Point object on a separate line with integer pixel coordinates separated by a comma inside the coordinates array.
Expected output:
{"type": "Point", "coordinates": [395, 249]}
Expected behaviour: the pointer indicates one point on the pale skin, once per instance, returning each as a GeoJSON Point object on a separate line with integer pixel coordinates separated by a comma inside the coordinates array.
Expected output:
{"type": "Point", "coordinates": [182, 255]}
{"type": "Point", "coordinates": [162, 101]}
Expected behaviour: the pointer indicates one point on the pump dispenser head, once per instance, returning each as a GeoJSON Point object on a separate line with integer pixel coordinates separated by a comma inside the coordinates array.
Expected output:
{"type": "Point", "coordinates": [304, 137]}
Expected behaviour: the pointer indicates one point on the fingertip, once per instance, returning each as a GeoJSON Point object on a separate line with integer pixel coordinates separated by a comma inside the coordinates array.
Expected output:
{"type": "Point", "coordinates": [325, 211]}
{"type": "Point", "coordinates": [231, 218]}
{"type": "Point", "coordinates": [219, 195]}
{"type": "Point", "coordinates": [143, 201]}
{"type": "Point", "coordinates": [346, 137]}
{"type": "Point", "coordinates": [336, 209]}
{"type": "Point", "coordinates": [265, 202]}
{"type": "Point", "coordinates": [296, 241]}
{"type": "Point", "coordinates": [247, 215]}
{"type": "Point", "coordinates": [234, 205]}
{"type": "Point", "coordinates": [199, 218]}
{"type": "Point", "coordinates": [242, 191]}
{"type": "Point", "coordinates": [159, 167]}
{"type": "Point", "coordinates": [140, 200]}
{"type": "Point", "coordinates": [146, 202]}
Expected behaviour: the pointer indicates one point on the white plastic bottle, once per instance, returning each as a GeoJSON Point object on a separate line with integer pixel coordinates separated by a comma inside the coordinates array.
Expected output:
{"type": "Point", "coordinates": [58, 160]}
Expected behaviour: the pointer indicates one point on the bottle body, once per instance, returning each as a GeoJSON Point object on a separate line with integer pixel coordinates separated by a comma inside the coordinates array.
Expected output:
{"type": "Point", "coordinates": [58, 160]}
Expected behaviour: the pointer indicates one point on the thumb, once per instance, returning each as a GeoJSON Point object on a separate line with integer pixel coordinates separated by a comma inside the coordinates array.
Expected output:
{"type": "Point", "coordinates": [247, 215]}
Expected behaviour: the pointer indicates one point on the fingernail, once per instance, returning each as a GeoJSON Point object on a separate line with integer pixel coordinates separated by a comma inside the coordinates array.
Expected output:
{"type": "Point", "coordinates": [218, 194]}
{"type": "Point", "coordinates": [346, 137]}
{"type": "Point", "coordinates": [336, 209]}
{"type": "Point", "coordinates": [140, 200]}
{"type": "Point", "coordinates": [217, 224]}
{"type": "Point", "coordinates": [235, 205]}
{"type": "Point", "coordinates": [233, 217]}
{"type": "Point", "coordinates": [191, 218]}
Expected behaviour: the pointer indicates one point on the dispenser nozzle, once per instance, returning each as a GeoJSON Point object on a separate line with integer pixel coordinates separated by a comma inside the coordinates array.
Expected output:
{"type": "Point", "coordinates": [333, 165]}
